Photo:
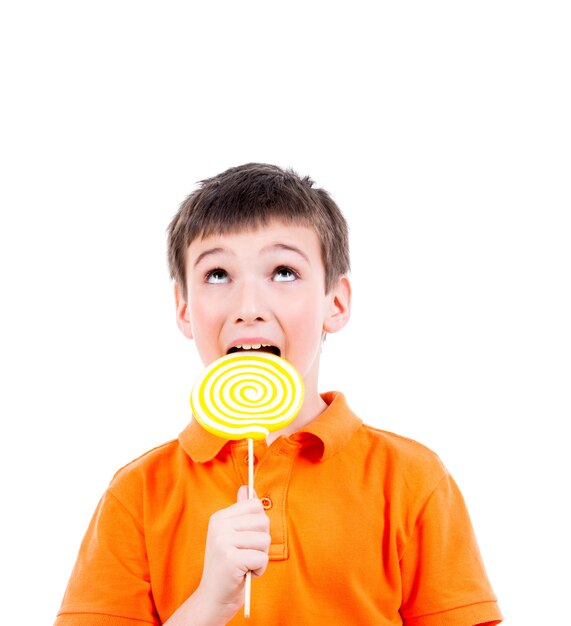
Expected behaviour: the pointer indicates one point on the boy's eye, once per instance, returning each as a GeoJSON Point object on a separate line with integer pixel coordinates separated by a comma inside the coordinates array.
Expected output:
{"type": "Point", "coordinates": [285, 274]}
{"type": "Point", "coordinates": [217, 276]}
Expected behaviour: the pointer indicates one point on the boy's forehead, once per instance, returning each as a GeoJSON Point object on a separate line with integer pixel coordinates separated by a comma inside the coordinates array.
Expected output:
{"type": "Point", "coordinates": [265, 237]}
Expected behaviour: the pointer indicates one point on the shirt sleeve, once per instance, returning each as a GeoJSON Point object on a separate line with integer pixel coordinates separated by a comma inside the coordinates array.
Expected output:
{"type": "Point", "coordinates": [110, 583]}
{"type": "Point", "coordinates": [443, 576]}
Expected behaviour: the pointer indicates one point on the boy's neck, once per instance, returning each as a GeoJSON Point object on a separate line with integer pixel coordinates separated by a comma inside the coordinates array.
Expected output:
{"type": "Point", "coordinates": [312, 407]}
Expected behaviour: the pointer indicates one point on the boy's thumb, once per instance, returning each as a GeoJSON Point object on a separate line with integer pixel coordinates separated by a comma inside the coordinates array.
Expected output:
{"type": "Point", "coordinates": [243, 493]}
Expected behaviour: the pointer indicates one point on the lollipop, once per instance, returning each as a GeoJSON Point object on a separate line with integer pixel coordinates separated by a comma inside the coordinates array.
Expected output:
{"type": "Point", "coordinates": [247, 395]}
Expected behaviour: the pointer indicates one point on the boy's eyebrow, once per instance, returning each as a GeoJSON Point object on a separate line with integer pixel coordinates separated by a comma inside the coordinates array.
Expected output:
{"type": "Point", "coordinates": [271, 248]}
{"type": "Point", "coordinates": [284, 246]}
{"type": "Point", "coordinates": [208, 252]}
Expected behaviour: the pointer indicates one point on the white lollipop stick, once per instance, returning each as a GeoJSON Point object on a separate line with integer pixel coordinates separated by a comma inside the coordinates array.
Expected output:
{"type": "Point", "coordinates": [248, 587]}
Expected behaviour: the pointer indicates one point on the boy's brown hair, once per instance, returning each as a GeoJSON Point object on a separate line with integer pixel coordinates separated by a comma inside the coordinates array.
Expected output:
{"type": "Point", "coordinates": [249, 196]}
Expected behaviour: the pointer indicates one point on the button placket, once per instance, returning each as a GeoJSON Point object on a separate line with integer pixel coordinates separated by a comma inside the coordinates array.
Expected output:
{"type": "Point", "coordinates": [272, 483]}
{"type": "Point", "coordinates": [240, 458]}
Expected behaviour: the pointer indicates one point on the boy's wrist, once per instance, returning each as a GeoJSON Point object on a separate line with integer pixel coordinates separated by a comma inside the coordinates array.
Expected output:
{"type": "Point", "coordinates": [198, 610]}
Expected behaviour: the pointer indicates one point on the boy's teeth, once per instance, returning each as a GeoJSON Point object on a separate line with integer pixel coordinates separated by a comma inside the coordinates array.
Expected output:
{"type": "Point", "coordinates": [264, 347]}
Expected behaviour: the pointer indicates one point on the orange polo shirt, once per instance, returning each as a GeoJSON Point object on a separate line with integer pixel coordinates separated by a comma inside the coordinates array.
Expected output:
{"type": "Point", "coordinates": [367, 528]}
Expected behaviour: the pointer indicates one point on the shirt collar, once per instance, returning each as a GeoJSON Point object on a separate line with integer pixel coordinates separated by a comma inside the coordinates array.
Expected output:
{"type": "Point", "coordinates": [332, 430]}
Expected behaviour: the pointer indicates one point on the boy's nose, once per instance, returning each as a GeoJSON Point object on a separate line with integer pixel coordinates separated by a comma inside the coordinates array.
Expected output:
{"type": "Point", "coordinates": [250, 305]}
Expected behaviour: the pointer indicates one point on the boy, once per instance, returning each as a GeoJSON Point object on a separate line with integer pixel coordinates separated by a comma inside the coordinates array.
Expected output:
{"type": "Point", "coordinates": [353, 525]}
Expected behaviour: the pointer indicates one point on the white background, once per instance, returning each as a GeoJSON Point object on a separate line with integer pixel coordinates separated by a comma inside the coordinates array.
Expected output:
{"type": "Point", "coordinates": [443, 131]}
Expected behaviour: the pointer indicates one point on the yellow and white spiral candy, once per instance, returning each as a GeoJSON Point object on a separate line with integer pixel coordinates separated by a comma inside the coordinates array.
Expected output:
{"type": "Point", "coordinates": [247, 395]}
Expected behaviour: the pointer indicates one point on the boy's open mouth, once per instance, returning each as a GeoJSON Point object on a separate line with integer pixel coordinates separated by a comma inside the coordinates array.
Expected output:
{"type": "Point", "coordinates": [256, 347]}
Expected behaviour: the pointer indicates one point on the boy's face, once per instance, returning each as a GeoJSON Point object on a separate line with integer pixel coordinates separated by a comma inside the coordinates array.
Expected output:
{"type": "Point", "coordinates": [263, 286]}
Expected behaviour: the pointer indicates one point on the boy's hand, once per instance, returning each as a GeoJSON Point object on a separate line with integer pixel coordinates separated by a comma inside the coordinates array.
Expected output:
{"type": "Point", "coordinates": [238, 541]}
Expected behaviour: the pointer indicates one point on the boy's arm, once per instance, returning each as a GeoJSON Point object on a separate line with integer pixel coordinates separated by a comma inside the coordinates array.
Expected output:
{"type": "Point", "coordinates": [443, 576]}
{"type": "Point", "coordinates": [110, 584]}
{"type": "Point", "coordinates": [238, 541]}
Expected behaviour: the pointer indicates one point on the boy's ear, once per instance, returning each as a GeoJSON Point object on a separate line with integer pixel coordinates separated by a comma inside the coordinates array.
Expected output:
{"type": "Point", "coordinates": [339, 306]}
{"type": "Point", "coordinates": [182, 312]}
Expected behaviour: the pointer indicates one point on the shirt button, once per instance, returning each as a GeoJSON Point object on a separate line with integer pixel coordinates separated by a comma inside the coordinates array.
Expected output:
{"type": "Point", "coordinates": [266, 503]}
{"type": "Point", "coordinates": [247, 459]}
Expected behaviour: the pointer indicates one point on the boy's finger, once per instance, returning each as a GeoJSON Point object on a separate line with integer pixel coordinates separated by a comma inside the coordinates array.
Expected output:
{"type": "Point", "coordinates": [243, 493]}
{"type": "Point", "coordinates": [255, 561]}
{"type": "Point", "coordinates": [251, 540]}
{"type": "Point", "coordinates": [258, 522]}
{"type": "Point", "coordinates": [238, 509]}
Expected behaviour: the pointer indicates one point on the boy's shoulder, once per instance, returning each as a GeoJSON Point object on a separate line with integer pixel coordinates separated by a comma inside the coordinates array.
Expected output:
{"type": "Point", "coordinates": [403, 455]}
{"type": "Point", "coordinates": [399, 444]}
{"type": "Point", "coordinates": [150, 468]}
{"type": "Point", "coordinates": [162, 451]}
